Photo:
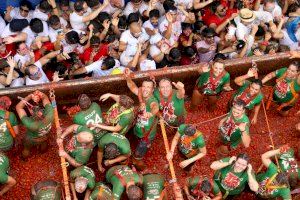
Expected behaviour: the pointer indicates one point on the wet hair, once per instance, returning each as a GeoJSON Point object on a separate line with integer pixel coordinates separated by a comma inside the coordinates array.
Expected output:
{"type": "Point", "coordinates": [240, 45]}
{"type": "Point", "coordinates": [186, 26]}
{"type": "Point", "coordinates": [122, 22]}
{"type": "Point", "coordinates": [134, 192]}
{"type": "Point", "coordinates": [111, 151]}
{"type": "Point", "coordinates": [72, 37]}
{"type": "Point", "coordinates": [243, 156]}
{"type": "Point", "coordinates": [214, 5]}
{"type": "Point", "coordinates": [109, 62]}
{"type": "Point", "coordinates": [27, 4]}
{"type": "Point", "coordinates": [154, 13]}
{"type": "Point", "coordinates": [78, 5]}
{"type": "Point", "coordinates": [92, 3]}
{"type": "Point", "coordinates": [296, 64]}
{"type": "Point", "coordinates": [126, 101]}
{"type": "Point", "coordinates": [239, 103]}
{"type": "Point", "coordinates": [36, 25]}
{"type": "Point", "coordinates": [208, 32]}
{"type": "Point", "coordinates": [282, 179]}
{"type": "Point", "coordinates": [206, 186]}
{"type": "Point", "coordinates": [53, 20]}
{"type": "Point", "coordinates": [189, 130]}
{"type": "Point", "coordinates": [17, 25]}
{"type": "Point", "coordinates": [84, 101]}
{"type": "Point", "coordinates": [103, 16]}
{"type": "Point", "coordinates": [258, 82]}
{"type": "Point", "coordinates": [133, 17]}
{"type": "Point", "coordinates": [174, 53]}
{"type": "Point", "coordinates": [45, 6]}
{"type": "Point", "coordinates": [189, 51]}
{"type": "Point", "coordinates": [219, 57]}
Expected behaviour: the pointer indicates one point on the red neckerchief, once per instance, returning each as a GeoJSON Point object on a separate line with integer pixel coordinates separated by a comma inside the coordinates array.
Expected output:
{"type": "Point", "coordinates": [244, 96]}
{"type": "Point", "coordinates": [213, 81]}
{"type": "Point", "coordinates": [231, 125]}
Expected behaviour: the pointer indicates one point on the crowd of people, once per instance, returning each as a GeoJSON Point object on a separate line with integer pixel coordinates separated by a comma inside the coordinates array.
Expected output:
{"type": "Point", "coordinates": [66, 40]}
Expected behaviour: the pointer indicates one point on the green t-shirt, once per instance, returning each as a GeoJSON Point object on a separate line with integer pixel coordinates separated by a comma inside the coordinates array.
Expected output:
{"type": "Point", "coordinates": [230, 132]}
{"type": "Point", "coordinates": [124, 118]}
{"type": "Point", "coordinates": [193, 184]}
{"type": "Point", "coordinates": [116, 174]}
{"type": "Point", "coordinates": [288, 163]}
{"type": "Point", "coordinates": [6, 140]}
{"type": "Point", "coordinates": [39, 128]}
{"type": "Point", "coordinates": [93, 115]}
{"type": "Point", "coordinates": [153, 185]}
{"type": "Point", "coordinates": [190, 149]}
{"type": "Point", "coordinates": [75, 149]}
{"type": "Point", "coordinates": [144, 124]}
{"type": "Point", "coordinates": [173, 110]}
{"type": "Point", "coordinates": [244, 95]}
{"type": "Point", "coordinates": [230, 181]}
{"type": "Point", "coordinates": [101, 190]}
{"type": "Point", "coordinates": [207, 85]}
{"type": "Point", "coordinates": [265, 192]}
{"type": "Point", "coordinates": [4, 167]}
{"type": "Point", "coordinates": [85, 172]}
{"type": "Point", "coordinates": [48, 193]}
{"type": "Point", "coordinates": [282, 90]}
{"type": "Point", "coordinates": [120, 140]}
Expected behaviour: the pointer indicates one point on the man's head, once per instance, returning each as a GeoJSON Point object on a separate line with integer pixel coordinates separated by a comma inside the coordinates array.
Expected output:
{"type": "Point", "coordinates": [81, 184]}
{"type": "Point", "coordinates": [208, 34]}
{"type": "Point", "coordinates": [45, 7]}
{"type": "Point", "coordinates": [126, 102]}
{"type": "Point", "coordinates": [36, 25]}
{"type": "Point", "coordinates": [174, 55]}
{"type": "Point", "coordinates": [95, 42]}
{"type": "Point", "coordinates": [189, 130]}
{"type": "Point", "coordinates": [93, 4]}
{"type": "Point", "coordinates": [113, 41]}
{"type": "Point", "coordinates": [206, 186]}
{"type": "Point", "coordinates": [17, 25]}
{"type": "Point", "coordinates": [136, 3]}
{"type": "Point", "coordinates": [65, 5]}
{"type": "Point", "coordinates": [292, 70]}
{"type": "Point", "coordinates": [154, 16]}
{"type": "Point", "coordinates": [22, 48]}
{"type": "Point", "coordinates": [255, 87]}
{"type": "Point", "coordinates": [186, 29]}
{"type": "Point", "coordinates": [219, 9]}
{"type": "Point", "coordinates": [54, 22]}
{"type": "Point", "coordinates": [25, 7]}
{"type": "Point", "coordinates": [134, 192]}
{"type": "Point", "coordinates": [135, 29]}
{"type": "Point", "coordinates": [238, 109]}
{"type": "Point", "coordinates": [84, 102]}
{"type": "Point", "coordinates": [134, 17]}
{"type": "Point", "coordinates": [37, 112]}
{"type": "Point", "coordinates": [5, 102]}
{"type": "Point", "coordinates": [108, 63]}
{"type": "Point", "coordinates": [147, 88]}
{"type": "Point", "coordinates": [173, 12]}
{"type": "Point", "coordinates": [33, 72]}
{"type": "Point", "coordinates": [80, 7]}
{"type": "Point", "coordinates": [282, 179]}
{"type": "Point", "coordinates": [85, 138]}
{"type": "Point", "coordinates": [269, 5]}
{"type": "Point", "coordinates": [72, 37]}
{"type": "Point", "coordinates": [190, 52]}
{"type": "Point", "coordinates": [111, 151]}
{"type": "Point", "coordinates": [241, 163]}
{"type": "Point", "coordinates": [218, 67]}
{"type": "Point", "coordinates": [247, 16]}
{"type": "Point", "coordinates": [165, 87]}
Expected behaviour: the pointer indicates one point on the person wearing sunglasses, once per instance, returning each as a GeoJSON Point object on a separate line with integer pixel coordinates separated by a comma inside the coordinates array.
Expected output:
{"type": "Point", "coordinates": [22, 12]}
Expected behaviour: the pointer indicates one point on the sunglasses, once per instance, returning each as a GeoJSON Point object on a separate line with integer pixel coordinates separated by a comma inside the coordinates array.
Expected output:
{"type": "Point", "coordinates": [24, 10]}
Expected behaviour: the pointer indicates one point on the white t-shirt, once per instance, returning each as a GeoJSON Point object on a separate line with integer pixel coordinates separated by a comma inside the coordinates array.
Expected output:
{"type": "Point", "coordinates": [43, 78]}
{"type": "Point", "coordinates": [286, 40]}
{"type": "Point", "coordinates": [276, 12]}
{"type": "Point", "coordinates": [39, 14]}
{"type": "Point", "coordinates": [147, 24]}
{"type": "Point", "coordinates": [111, 10]}
{"type": "Point", "coordinates": [76, 20]}
{"type": "Point", "coordinates": [69, 48]}
{"type": "Point", "coordinates": [15, 14]}
{"type": "Point", "coordinates": [2, 25]}
{"type": "Point", "coordinates": [146, 65]}
{"type": "Point", "coordinates": [6, 32]}
{"type": "Point", "coordinates": [95, 67]}
{"type": "Point", "coordinates": [130, 9]}
{"type": "Point", "coordinates": [31, 35]}
{"type": "Point", "coordinates": [206, 57]}
{"type": "Point", "coordinates": [21, 60]}
{"type": "Point", "coordinates": [53, 33]}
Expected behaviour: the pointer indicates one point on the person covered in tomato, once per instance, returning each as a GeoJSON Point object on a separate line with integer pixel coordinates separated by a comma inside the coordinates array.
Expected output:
{"type": "Point", "coordinates": [6, 181]}
{"type": "Point", "coordinates": [285, 92]}
{"type": "Point", "coordinates": [120, 116]}
{"type": "Point", "coordinates": [39, 124]}
{"type": "Point", "coordinates": [171, 101]}
{"type": "Point", "coordinates": [146, 124]}
{"type": "Point", "coordinates": [154, 187]}
{"type": "Point", "coordinates": [123, 178]}
{"type": "Point", "coordinates": [90, 114]}
{"type": "Point", "coordinates": [273, 183]}
{"type": "Point", "coordinates": [249, 92]}
{"type": "Point", "coordinates": [202, 187]}
{"type": "Point", "coordinates": [191, 145]}
{"type": "Point", "coordinates": [234, 128]}
{"type": "Point", "coordinates": [233, 173]}
{"type": "Point", "coordinates": [79, 148]}
{"type": "Point", "coordinates": [45, 189]}
{"type": "Point", "coordinates": [210, 84]}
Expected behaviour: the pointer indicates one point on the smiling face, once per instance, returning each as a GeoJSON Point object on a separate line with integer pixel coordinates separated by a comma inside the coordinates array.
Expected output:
{"type": "Point", "coordinates": [221, 10]}
{"type": "Point", "coordinates": [291, 72]}
{"type": "Point", "coordinates": [147, 89]}
{"type": "Point", "coordinates": [217, 68]}
{"type": "Point", "coordinates": [237, 111]}
{"type": "Point", "coordinates": [240, 165]}
{"type": "Point", "coordinates": [165, 88]}
{"type": "Point", "coordinates": [254, 89]}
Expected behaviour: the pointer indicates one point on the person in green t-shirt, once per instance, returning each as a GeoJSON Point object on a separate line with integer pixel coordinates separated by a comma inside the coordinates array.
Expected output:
{"type": "Point", "coordinates": [90, 114]}
{"type": "Point", "coordinates": [9, 128]}
{"type": "Point", "coordinates": [233, 173]}
{"type": "Point", "coordinates": [79, 148]}
{"type": "Point", "coordinates": [82, 179]}
{"type": "Point", "coordinates": [191, 145]}
{"type": "Point", "coordinates": [115, 148]}
{"type": "Point", "coordinates": [171, 101]}
{"type": "Point", "coordinates": [285, 92]}
{"type": "Point", "coordinates": [120, 116]}
{"type": "Point", "coordinates": [249, 92]}
{"type": "Point", "coordinates": [234, 128]}
{"type": "Point", "coordinates": [101, 192]}
{"type": "Point", "coordinates": [210, 84]}
{"type": "Point", "coordinates": [273, 183]}
{"type": "Point", "coordinates": [46, 190]}
{"type": "Point", "coordinates": [123, 178]}
{"type": "Point", "coordinates": [154, 187]}
{"type": "Point", "coordinates": [7, 181]}
{"type": "Point", "coordinates": [39, 124]}
{"type": "Point", "coordinates": [146, 124]}
{"type": "Point", "coordinates": [198, 187]}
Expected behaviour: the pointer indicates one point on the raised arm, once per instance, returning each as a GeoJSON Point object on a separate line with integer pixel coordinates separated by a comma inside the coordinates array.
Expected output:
{"type": "Point", "coordinates": [20, 106]}
{"type": "Point", "coordinates": [266, 157]}
{"type": "Point", "coordinates": [45, 59]}
{"type": "Point", "coordinates": [241, 79]}
{"type": "Point", "coordinates": [217, 165]}
{"type": "Point", "coordinates": [115, 97]}
{"type": "Point", "coordinates": [12, 64]}
{"type": "Point", "coordinates": [180, 87]}
{"type": "Point", "coordinates": [268, 77]}
{"type": "Point", "coordinates": [175, 140]}
{"type": "Point", "coordinates": [198, 4]}
{"type": "Point", "coordinates": [253, 185]}
{"type": "Point", "coordinates": [95, 13]}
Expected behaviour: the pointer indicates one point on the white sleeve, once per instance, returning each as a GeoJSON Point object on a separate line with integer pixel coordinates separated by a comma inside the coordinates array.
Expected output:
{"type": "Point", "coordinates": [143, 8]}
{"type": "Point", "coordinates": [128, 9]}
{"type": "Point", "coordinates": [45, 30]}
{"type": "Point", "coordinates": [240, 32]}
{"type": "Point", "coordinates": [124, 38]}
{"type": "Point", "coordinates": [163, 26]}
{"type": "Point", "coordinates": [2, 25]}
{"type": "Point", "coordinates": [63, 22]}
{"type": "Point", "coordinates": [93, 66]}
{"type": "Point", "coordinates": [264, 16]}
{"type": "Point", "coordinates": [6, 32]}
{"type": "Point", "coordinates": [52, 35]}
{"type": "Point", "coordinates": [38, 64]}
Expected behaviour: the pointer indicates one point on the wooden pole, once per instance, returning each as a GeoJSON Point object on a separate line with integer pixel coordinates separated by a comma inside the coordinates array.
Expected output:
{"type": "Point", "coordinates": [176, 188]}
{"type": "Point", "coordinates": [62, 160]}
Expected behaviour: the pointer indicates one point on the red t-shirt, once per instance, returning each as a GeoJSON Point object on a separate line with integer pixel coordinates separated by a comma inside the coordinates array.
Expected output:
{"type": "Point", "coordinates": [214, 19]}
{"type": "Point", "coordinates": [102, 52]}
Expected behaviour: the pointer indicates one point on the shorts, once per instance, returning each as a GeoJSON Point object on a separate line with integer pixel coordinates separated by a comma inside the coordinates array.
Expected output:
{"type": "Point", "coordinates": [142, 148]}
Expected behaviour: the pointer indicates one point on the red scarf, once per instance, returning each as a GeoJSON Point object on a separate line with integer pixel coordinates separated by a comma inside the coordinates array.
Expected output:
{"type": "Point", "coordinates": [214, 81]}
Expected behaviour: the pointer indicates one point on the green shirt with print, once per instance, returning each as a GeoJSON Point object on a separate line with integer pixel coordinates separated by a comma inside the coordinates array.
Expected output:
{"type": "Point", "coordinates": [85, 172]}
{"type": "Point", "coordinates": [282, 90]}
{"type": "Point", "coordinates": [120, 174]}
{"type": "Point", "coordinates": [4, 167]}
{"type": "Point", "coordinates": [39, 128]}
{"type": "Point", "coordinates": [120, 140]}
{"type": "Point", "coordinates": [194, 182]}
{"type": "Point", "coordinates": [153, 185]}
{"type": "Point", "coordinates": [254, 101]}
{"type": "Point", "coordinates": [229, 181]}
{"type": "Point", "coordinates": [48, 193]}
{"type": "Point", "coordinates": [6, 139]}
{"type": "Point", "coordinates": [102, 191]}
{"type": "Point", "coordinates": [173, 111]}
{"type": "Point", "coordinates": [207, 88]}
{"type": "Point", "coordinates": [288, 163]}
{"type": "Point", "coordinates": [144, 124]}
{"type": "Point", "coordinates": [265, 192]}
{"type": "Point", "coordinates": [192, 148]}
